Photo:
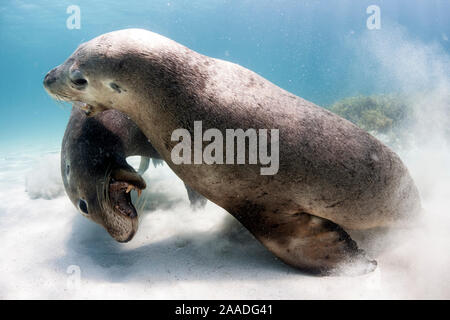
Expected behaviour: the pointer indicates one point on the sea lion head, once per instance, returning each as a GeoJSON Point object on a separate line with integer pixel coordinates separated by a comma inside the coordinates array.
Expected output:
{"type": "Point", "coordinates": [103, 72]}
{"type": "Point", "coordinates": [96, 176]}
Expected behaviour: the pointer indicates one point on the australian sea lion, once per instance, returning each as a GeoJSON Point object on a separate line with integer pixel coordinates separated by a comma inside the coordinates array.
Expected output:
{"type": "Point", "coordinates": [332, 175]}
{"type": "Point", "coordinates": [96, 175]}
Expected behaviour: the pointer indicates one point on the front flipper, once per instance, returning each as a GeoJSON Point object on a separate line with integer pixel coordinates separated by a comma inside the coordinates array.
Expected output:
{"type": "Point", "coordinates": [143, 165]}
{"type": "Point", "coordinates": [309, 243]}
{"type": "Point", "coordinates": [197, 200]}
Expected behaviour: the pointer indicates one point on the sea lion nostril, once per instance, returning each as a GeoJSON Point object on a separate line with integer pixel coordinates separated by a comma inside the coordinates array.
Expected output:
{"type": "Point", "coordinates": [49, 78]}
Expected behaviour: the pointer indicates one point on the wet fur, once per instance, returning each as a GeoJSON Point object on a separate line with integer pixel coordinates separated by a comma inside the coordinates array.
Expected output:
{"type": "Point", "coordinates": [331, 172]}
{"type": "Point", "coordinates": [92, 148]}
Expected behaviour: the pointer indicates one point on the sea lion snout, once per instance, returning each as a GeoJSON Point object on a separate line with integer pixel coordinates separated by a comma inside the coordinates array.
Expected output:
{"type": "Point", "coordinates": [54, 83]}
{"type": "Point", "coordinates": [50, 78]}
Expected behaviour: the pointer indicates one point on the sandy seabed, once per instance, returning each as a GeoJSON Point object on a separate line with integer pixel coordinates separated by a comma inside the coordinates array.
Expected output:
{"type": "Point", "coordinates": [181, 253]}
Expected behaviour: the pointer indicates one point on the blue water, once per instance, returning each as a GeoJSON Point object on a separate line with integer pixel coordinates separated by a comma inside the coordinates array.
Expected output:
{"type": "Point", "coordinates": [311, 48]}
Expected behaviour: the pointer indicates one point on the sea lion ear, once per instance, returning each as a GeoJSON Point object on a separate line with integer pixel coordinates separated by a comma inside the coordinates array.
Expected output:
{"type": "Point", "coordinates": [115, 87]}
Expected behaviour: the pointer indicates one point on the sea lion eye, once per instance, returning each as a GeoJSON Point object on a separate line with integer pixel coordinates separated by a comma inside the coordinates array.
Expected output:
{"type": "Point", "coordinates": [82, 205]}
{"type": "Point", "coordinates": [80, 82]}
{"type": "Point", "coordinates": [77, 78]}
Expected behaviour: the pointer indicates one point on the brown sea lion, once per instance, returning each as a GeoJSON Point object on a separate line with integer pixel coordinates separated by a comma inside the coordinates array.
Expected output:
{"type": "Point", "coordinates": [96, 175]}
{"type": "Point", "coordinates": [331, 175]}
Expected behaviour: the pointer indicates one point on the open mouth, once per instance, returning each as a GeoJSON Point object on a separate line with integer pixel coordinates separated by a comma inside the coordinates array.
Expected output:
{"type": "Point", "coordinates": [121, 183]}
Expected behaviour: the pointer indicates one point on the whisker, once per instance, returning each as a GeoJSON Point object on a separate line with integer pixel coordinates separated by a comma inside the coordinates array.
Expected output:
{"type": "Point", "coordinates": [61, 100]}
{"type": "Point", "coordinates": [62, 104]}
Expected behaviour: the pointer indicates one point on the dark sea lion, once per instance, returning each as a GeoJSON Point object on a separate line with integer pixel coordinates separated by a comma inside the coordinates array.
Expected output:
{"type": "Point", "coordinates": [96, 175]}
{"type": "Point", "coordinates": [332, 175]}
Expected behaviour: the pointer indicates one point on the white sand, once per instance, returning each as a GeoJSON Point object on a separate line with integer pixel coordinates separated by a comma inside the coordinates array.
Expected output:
{"type": "Point", "coordinates": [179, 253]}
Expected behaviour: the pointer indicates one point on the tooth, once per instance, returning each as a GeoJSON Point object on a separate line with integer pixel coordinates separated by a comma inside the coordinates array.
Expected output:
{"type": "Point", "coordinates": [129, 188]}
{"type": "Point", "coordinates": [139, 191]}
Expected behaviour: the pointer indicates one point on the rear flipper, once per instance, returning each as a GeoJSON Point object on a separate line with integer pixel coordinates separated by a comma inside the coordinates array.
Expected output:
{"type": "Point", "coordinates": [310, 243]}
